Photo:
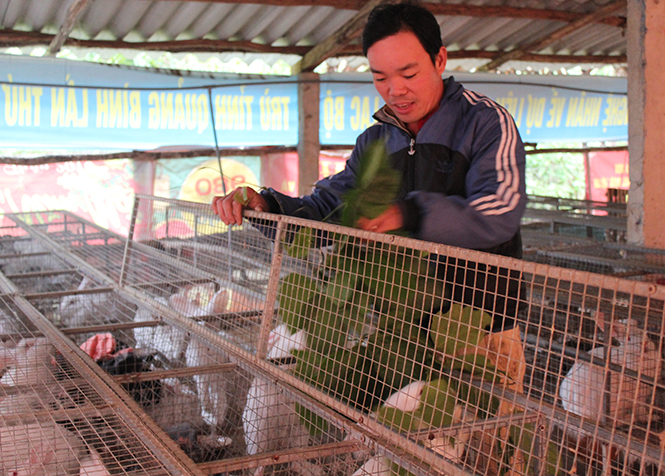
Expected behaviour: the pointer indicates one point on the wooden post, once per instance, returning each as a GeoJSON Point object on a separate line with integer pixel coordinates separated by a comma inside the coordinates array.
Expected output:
{"type": "Point", "coordinates": [308, 132]}
{"type": "Point", "coordinates": [646, 103]}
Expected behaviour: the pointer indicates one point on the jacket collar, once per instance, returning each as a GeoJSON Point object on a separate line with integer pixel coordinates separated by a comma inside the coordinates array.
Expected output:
{"type": "Point", "coordinates": [387, 116]}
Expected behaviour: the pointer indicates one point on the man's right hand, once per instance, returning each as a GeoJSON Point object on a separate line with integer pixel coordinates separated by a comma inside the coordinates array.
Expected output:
{"type": "Point", "coordinates": [230, 207]}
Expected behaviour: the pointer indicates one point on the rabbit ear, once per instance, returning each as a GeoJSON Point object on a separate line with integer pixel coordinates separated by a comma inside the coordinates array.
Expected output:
{"type": "Point", "coordinates": [180, 303]}
{"type": "Point", "coordinates": [647, 346]}
{"type": "Point", "coordinates": [619, 330]}
{"type": "Point", "coordinates": [220, 301]}
{"type": "Point", "coordinates": [85, 283]}
{"type": "Point", "coordinates": [600, 320]}
{"type": "Point", "coordinates": [27, 343]}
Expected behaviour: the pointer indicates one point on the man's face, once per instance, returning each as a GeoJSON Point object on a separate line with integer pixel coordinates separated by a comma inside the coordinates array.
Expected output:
{"type": "Point", "coordinates": [405, 77]}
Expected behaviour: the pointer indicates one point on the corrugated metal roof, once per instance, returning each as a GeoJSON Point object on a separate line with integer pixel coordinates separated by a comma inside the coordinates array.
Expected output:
{"type": "Point", "coordinates": [306, 24]}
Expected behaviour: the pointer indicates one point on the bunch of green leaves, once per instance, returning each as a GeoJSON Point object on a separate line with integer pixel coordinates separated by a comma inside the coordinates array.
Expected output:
{"type": "Point", "coordinates": [528, 442]}
{"type": "Point", "coordinates": [412, 322]}
{"type": "Point", "coordinates": [457, 335]}
{"type": "Point", "coordinates": [376, 187]}
{"type": "Point", "coordinates": [437, 406]}
{"type": "Point", "coordinates": [388, 286]}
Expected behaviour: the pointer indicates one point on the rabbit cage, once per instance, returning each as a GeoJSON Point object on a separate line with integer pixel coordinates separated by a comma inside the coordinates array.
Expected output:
{"type": "Point", "coordinates": [309, 349]}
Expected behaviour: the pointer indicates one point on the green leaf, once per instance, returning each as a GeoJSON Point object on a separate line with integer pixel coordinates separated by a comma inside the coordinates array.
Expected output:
{"type": "Point", "coordinates": [396, 419]}
{"type": "Point", "coordinates": [302, 242]}
{"type": "Point", "coordinates": [524, 438]}
{"type": "Point", "coordinates": [298, 298]}
{"type": "Point", "coordinates": [439, 399]}
{"type": "Point", "coordinates": [316, 425]}
{"type": "Point", "coordinates": [376, 187]}
{"type": "Point", "coordinates": [240, 196]}
{"type": "Point", "coordinates": [460, 327]}
{"type": "Point", "coordinates": [477, 365]}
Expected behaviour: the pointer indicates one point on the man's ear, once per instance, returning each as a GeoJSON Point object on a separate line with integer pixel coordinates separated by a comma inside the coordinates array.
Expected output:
{"type": "Point", "coordinates": [441, 60]}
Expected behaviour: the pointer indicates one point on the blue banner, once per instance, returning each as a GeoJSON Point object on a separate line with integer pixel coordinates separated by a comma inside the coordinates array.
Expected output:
{"type": "Point", "coordinates": [545, 108]}
{"type": "Point", "coordinates": [53, 103]}
{"type": "Point", "coordinates": [48, 103]}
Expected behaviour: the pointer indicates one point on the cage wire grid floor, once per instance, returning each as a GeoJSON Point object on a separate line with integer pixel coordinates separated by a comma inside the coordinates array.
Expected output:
{"type": "Point", "coordinates": [287, 346]}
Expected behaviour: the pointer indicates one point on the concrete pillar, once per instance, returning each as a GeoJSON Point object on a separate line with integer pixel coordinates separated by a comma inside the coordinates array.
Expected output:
{"type": "Point", "coordinates": [646, 122]}
{"type": "Point", "coordinates": [308, 131]}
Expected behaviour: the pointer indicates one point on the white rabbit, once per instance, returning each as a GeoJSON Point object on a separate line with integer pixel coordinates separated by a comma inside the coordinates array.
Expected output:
{"type": "Point", "coordinates": [220, 395]}
{"type": "Point", "coordinates": [33, 364]}
{"type": "Point", "coordinates": [39, 449]}
{"type": "Point", "coordinates": [582, 390]}
{"type": "Point", "coordinates": [269, 418]}
{"type": "Point", "coordinates": [271, 423]}
{"type": "Point", "coordinates": [213, 389]}
{"type": "Point", "coordinates": [169, 341]}
{"type": "Point", "coordinates": [408, 399]}
{"type": "Point", "coordinates": [281, 342]}
{"type": "Point", "coordinates": [80, 310]}
{"type": "Point", "coordinates": [74, 309]}
{"type": "Point", "coordinates": [92, 465]}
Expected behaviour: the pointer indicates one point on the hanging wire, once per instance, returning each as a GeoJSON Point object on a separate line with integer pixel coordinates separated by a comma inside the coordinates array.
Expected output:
{"type": "Point", "coordinates": [221, 172]}
{"type": "Point", "coordinates": [214, 133]}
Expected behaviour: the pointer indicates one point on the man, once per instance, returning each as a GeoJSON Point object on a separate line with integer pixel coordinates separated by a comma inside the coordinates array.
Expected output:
{"type": "Point", "coordinates": [462, 163]}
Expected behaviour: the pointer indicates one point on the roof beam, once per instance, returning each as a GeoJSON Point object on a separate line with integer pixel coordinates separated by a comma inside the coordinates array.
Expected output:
{"type": "Point", "coordinates": [512, 12]}
{"type": "Point", "coordinates": [536, 58]}
{"type": "Point", "coordinates": [437, 9]}
{"type": "Point", "coordinates": [537, 45]}
{"type": "Point", "coordinates": [13, 38]}
{"type": "Point", "coordinates": [73, 14]}
{"type": "Point", "coordinates": [336, 42]}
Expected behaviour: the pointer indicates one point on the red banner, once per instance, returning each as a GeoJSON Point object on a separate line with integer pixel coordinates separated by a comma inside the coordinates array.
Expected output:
{"type": "Point", "coordinates": [280, 171]}
{"type": "Point", "coordinates": [100, 191]}
{"type": "Point", "coordinates": [607, 170]}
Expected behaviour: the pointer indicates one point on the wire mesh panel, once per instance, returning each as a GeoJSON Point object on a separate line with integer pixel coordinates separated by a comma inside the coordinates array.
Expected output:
{"type": "Point", "coordinates": [32, 267]}
{"type": "Point", "coordinates": [69, 236]}
{"type": "Point", "coordinates": [55, 420]}
{"type": "Point", "coordinates": [444, 360]}
{"type": "Point", "coordinates": [306, 348]}
{"type": "Point", "coordinates": [622, 260]}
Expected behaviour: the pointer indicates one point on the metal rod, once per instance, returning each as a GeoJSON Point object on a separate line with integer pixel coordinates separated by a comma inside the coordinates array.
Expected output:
{"type": "Point", "coordinates": [128, 243]}
{"type": "Point", "coordinates": [271, 295]}
{"type": "Point", "coordinates": [279, 457]}
{"type": "Point", "coordinates": [136, 377]}
{"type": "Point", "coordinates": [40, 274]}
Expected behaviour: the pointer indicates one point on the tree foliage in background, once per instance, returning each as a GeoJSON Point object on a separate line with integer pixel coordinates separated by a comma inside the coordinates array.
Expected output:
{"type": "Point", "coordinates": [556, 175]}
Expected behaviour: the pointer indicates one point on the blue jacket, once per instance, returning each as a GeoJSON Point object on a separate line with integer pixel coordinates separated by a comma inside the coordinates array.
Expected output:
{"type": "Point", "coordinates": [463, 175]}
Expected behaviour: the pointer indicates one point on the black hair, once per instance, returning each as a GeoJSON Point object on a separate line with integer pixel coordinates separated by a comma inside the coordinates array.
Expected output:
{"type": "Point", "coordinates": [391, 18]}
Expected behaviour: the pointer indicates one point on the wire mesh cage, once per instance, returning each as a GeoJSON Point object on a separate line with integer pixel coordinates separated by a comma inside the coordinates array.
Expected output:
{"type": "Point", "coordinates": [305, 348]}
{"type": "Point", "coordinates": [57, 417]}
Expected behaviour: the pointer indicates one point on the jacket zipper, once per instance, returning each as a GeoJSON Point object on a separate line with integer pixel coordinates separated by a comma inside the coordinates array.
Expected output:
{"type": "Point", "coordinates": [411, 144]}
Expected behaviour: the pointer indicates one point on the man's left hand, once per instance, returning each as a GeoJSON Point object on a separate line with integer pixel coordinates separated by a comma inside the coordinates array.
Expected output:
{"type": "Point", "coordinates": [389, 220]}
